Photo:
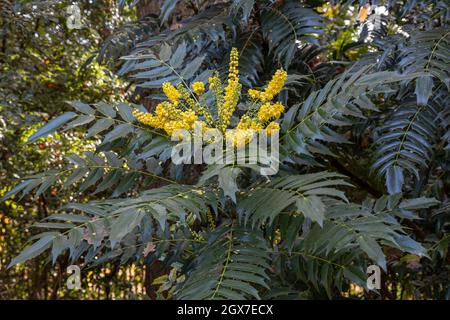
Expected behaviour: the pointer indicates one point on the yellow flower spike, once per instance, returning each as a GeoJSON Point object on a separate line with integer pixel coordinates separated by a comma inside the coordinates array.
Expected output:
{"type": "Point", "coordinates": [272, 127]}
{"type": "Point", "coordinates": [269, 111]}
{"type": "Point", "coordinates": [249, 124]}
{"type": "Point", "coordinates": [254, 94]}
{"type": "Point", "coordinates": [215, 85]}
{"type": "Point", "coordinates": [214, 82]}
{"type": "Point", "coordinates": [232, 92]}
{"type": "Point", "coordinates": [264, 112]}
{"type": "Point", "coordinates": [233, 67]}
{"type": "Point", "coordinates": [136, 113]}
{"type": "Point", "coordinates": [195, 105]}
{"type": "Point", "coordinates": [211, 222]}
{"type": "Point", "coordinates": [172, 93]}
{"type": "Point", "coordinates": [186, 96]}
{"type": "Point", "coordinates": [203, 126]}
{"type": "Point", "coordinates": [275, 85]}
{"type": "Point", "coordinates": [149, 120]}
{"type": "Point", "coordinates": [161, 111]}
{"type": "Point", "coordinates": [256, 126]}
{"type": "Point", "coordinates": [277, 238]}
{"type": "Point", "coordinates": [144, 118]}
{"type": "Point", "coordinates": [189, 118]}
{"type": "Point", "coordinates": [198, 88]}
{"type": "Point", "coordinates": [277, 110]}
{"type": "Point", "coordinates": [273, 88]}
{"type": "Point", "coordinates": [171, 126]}
{"type": "Point", "coordinates": [244, 123]}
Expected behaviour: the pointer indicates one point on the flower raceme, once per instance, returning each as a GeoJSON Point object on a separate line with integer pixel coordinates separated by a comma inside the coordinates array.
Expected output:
{"type": "Point", "coordinates": [172, 93]}
{"type": "Point", "coordinates": [273, 88]}
{"type": "Point", "coordinates": [269, 111]}
{"type": "Point", "coordinates": [232, 92]}
{"type": "Point", "coordinates": [198, 88]}
{"type": "Point", "coordinates": [187, 105]}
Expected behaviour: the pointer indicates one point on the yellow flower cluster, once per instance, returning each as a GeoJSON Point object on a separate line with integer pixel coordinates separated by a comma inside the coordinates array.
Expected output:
{"type": "Point", "coordinates": [194, 104]}
{"type": "Point", "coordinates": [214, 82]}
{"type": "Point", "coordinates": [186, 96]}
{"type": "Point", "coordinates": [198, 88]}
{"type": "Point", "coordinates": [232, 92]}
{"type": "Point", "coordinates": [167, 118]}
{"type": "Point", "coordinates": [211, 222]}
{"type": "Point", "coordinates": [197, 236]}
{"type": "Point", "coordinates": [172, 93]}
{"type": "Point", "coordinates": [249, 124]}
{"type": "Point", "coordinates": [270, 111]}
{"type": "Point", "coordinates": [215, 85]}
{"type": "Point", "coordinates": [272, 127]}
{"type": "Point", "coordinates": [277, 237]}
{"type": "Point", "coordinates": [273, 88]}
{"type": "Point", "coordinates": [247, 128]}
{"type": "Point", "coordinates": [239, 137]}
{"type": "Point", "coordinates": [184, 107]}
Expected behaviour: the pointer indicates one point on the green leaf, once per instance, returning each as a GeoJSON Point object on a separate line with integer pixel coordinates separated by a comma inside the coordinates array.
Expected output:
{"type": "Point", "coordinates": [52, 225]}
{"type": "Point", "coordinates": [424, 89]}
{"type": "Point", "coordinates": [192, 67]}
{"type": "Point", "coordinates": [106, 109]}
{"type": "Point", "coordinates": [157, 83]}
{"type": "Point", "coordinates": [82, 107]}
{"type": "Point", "coordinates": [85, 207]}
{"type": "Point", "coordinates": [166, 9]}
{"type": "Point", "coordinates": [51, 126]}
{"type": "Point", "coordinates": [74, 239]}
{"type": "Point", "coordinates": [79, 121]}
{"type": "Point", "coordinates": [124, 224]}
{"type": "Point", "coordinates": [373, 250]}
{"type": "Point", "coordinates": [178, 56]}
{"type": "Point", "coordinates": [165, 52]}
{"type": "Point", "coordinates": [355, 275]}
{"type": "Point", "coordinates": [312, 207]}
{"type": "Point", "coordinates": [245, 5]}
{"type": "Point", "coordinates": [227, 181]}
{"type": "Point", "coordinates": [160, 214]}
{"type": "Point", "coordinates": [125, 112]}
{"type": "Point", "coordinates": [418, 203]}
{"type": "Point", "coordinates": [19, 187]}
{"type": "Point", "coordinates": [99, 126]}
{"type": "Point", "coordinates": [58, 246]}
{"type": "Point", "coordinates": [394, 179]}
{"type": "Point", "coordinates": [93, 177]}
{"type": "Point", "coordinates": [125, 184]}
{"type": "Point", "coordinates": [76, 175]}
{"type": "Point", "coordinates": [119, 131]}
{"type": "Point", "coordinates": [32, 251]}
{"type": "Point", "coordinates": [68, 217]}
{"type": "Point", "coordinates": [230, 266]}
{"type": "Point", "coordinates": [108, 181]}
{"type": "Point", "coordinates": [407, 244]}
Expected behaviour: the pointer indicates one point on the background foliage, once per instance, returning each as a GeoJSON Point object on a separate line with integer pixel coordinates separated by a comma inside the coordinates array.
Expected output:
{"type": "Point", "coordinates": [364, 175]}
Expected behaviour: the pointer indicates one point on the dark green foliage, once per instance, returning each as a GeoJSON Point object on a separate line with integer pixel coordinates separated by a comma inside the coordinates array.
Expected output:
{"type": "Point", "coordinates": [356, 100]}
{"type": "Point", "coordinates": [232, 264]}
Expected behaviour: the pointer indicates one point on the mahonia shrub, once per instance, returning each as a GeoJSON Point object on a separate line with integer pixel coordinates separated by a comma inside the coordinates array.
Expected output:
{"type": "Point", "coordinates": [359, 100]}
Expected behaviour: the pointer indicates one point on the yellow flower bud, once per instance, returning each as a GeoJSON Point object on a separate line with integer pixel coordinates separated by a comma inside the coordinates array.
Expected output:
{"type": "Point", "coordinates": [198, 87]}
